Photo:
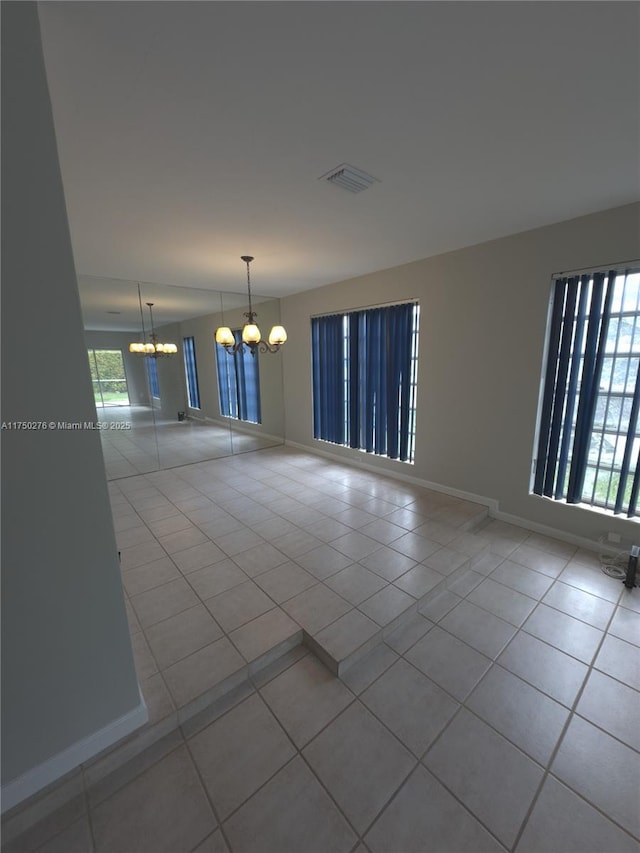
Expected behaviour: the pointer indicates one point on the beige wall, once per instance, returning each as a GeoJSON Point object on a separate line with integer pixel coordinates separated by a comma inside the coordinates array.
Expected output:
{"type": "Point", "coordinates": [482, 334]}
{"type": "Point", "coordinates": [69, 685]}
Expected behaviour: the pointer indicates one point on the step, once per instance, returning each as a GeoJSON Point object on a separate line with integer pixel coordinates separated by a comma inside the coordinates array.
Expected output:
{"type": "Point", "coordinates": [354, 635]}
{"type": "Point", "coordinates": [339, 646]}
{"type": "Point", "coordinates": [102, 771]}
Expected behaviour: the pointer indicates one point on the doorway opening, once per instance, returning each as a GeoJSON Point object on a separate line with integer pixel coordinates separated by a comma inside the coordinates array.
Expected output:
{"type": "Point", "coordinates": [108, 378]}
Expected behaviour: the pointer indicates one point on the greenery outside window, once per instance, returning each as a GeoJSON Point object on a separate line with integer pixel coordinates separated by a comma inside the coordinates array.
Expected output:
{"type": "Point", "coordinates": [588, 437]}
{"type": "Point", "coordinates": [108, 378]}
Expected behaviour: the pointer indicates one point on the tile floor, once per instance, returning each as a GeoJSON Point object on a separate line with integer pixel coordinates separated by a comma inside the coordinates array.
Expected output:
{"type": "Point", "coordinates": [496, 707]}
{"type": "Point", "coordinates": [155, 442]}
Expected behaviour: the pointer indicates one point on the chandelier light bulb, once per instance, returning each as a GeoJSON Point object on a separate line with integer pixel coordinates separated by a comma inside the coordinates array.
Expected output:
{"type": "Point", "coordinates": [153, 347]}
{"type": "Point", "coordinates": [224, 336]}
{"type": "Point", "coordinates": [251, 334]}
{"type": "Point", "coordinates": [277, 336]}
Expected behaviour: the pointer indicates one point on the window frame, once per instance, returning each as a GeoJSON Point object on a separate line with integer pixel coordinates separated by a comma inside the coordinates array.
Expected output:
{"type": "Point", "coordinates": [353, 388]}
{"type": "Point", "coordinates": [583, 355]}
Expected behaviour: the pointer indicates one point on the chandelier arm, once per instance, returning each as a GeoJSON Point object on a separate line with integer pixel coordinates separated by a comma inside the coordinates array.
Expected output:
{"type": "Point", "coordinates": [266, 347]}
{"type": "Point", "coordinates": [261, 346]}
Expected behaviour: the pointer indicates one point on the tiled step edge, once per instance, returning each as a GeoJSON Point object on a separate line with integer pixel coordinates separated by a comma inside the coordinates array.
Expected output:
{"type": "Point", "coordinates": [475, 521]}
{"type": "Point", "coordinates": [364, 641]}
{"type": "Point", "coordinates": [105, 764]}
{"type": "Point", "coordinates": [92, 775]}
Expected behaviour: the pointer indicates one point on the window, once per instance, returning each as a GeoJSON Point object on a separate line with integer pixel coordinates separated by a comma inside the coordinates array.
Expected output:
{"type": "Point", "coordinates": [364, 379]}
{"type": "Point", "coordinates": [588, 438]}
{"type": "Point", "coordinates": [191, 370]}
{"type": "Point", "coordinates": [108, 377]}
{"type": "Point", "coordinates": [152, 374]}
{"type": "Point", "coordinates": [239, 383]}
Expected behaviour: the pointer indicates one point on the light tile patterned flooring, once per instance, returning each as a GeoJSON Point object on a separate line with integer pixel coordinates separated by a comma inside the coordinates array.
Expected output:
{"type": "Point", "coordinates": [503, 716]}
{"type": "Point", "coordinates": [156, 442]}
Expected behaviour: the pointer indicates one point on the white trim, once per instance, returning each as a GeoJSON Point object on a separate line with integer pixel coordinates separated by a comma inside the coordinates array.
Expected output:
{"type": "Point", "coordinates": [53, 768]}
{"type": "Point", "coordinates": [410, 300]}
{"type": "Point", "coordinates": [619, 266]}
{"type": "Point", "coordinates": [491, 503]}
{"type": "Point", "coordinates": [398, 475]}
{"type": "Point", "coordinates": [244, 427]}
{"type": "Point", "coordinates": [553, 532]}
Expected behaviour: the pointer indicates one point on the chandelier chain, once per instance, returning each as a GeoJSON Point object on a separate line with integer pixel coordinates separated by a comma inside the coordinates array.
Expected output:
{"type": "Point", "coordinates": [250, 315]}
{"type": "Point", "coordinates": [251, 336]}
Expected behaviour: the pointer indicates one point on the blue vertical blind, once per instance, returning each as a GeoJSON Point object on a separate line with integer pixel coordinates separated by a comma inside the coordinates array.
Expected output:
{"type": "Point", "coordinates": [239, 383]}
{"type": "Point", "coordinates": [588, 438]}
{"type": "Point", "coordinates": [152, 373]}
{"type": "Point", "coordinates": [191, 370]}
{"type": "Point", "coordinates": [364, 379]}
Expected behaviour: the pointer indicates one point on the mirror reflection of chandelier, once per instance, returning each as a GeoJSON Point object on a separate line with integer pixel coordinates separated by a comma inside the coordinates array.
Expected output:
{"type": "Point", "coordinates": [251, 335]}
{"type": "Point", "coordinates": [152, 347]}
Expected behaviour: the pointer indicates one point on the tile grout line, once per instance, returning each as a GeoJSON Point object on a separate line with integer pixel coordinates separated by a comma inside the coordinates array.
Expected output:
{"type": "Point", "coordinates": [421, 762]}
{"type": "Point", "coordinates": [418, 758]}
{"type": "Point", "coordinates": [495, 662]}
{"type": "Point", "coordinates": [357, 699]}
{"type": "Point", "coordinates": [463, 704]}
{"type": "Point", "coordinates": [570, 717]}
{"type": "Point", "coordinates": [194, 763]}
{"type": "Point", "coordinates": [297, 754]}
{"type": "Point", "coordinates": [571, 714]}
{"type": "Point", "coordinates": [517, 591]}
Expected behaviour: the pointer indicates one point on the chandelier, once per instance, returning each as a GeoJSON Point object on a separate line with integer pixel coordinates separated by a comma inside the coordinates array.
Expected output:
{"type": "Point", "coordinates": [251, 335]}
{"type": "Point", "coordinates": [153, 347]}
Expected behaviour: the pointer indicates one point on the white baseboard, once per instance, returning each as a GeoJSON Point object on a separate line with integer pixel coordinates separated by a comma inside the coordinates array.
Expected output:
{"type": "Point", "coordinates": [491, 503]}
{"type": "Point", "coordinates": [398, 475]}
{"type": "Point", "coordinates": [245, 427]}
{"type": "Point", "coordinates": [553, 532]}
{"type": "Point", "coordinates": [53, 768]}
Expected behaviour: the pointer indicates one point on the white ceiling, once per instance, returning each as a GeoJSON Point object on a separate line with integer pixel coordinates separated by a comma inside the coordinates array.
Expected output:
{"type": "Point", "coordinates": [191, 133]}
{"type": "Point", "coordinates": [110, 304]}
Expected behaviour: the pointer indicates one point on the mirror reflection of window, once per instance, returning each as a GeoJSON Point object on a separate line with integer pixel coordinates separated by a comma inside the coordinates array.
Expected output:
{"type": "Point", "coordinates": [160, 390]}
{"type": "Point", "coordinates": [239, 383]}
{"type": "Point", "coordinates": [108, 378]}
{"type": "Point", "coordinates": [191, 372]}
{"type": "Point", "coordinates": [152, 374]}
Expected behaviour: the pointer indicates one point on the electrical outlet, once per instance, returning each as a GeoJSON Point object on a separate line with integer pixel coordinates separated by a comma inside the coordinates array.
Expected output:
{"type": "Point", "coordinates": [613, 537]}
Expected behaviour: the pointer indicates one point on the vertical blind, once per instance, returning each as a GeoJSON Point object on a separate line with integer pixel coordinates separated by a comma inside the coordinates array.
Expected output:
{"type": "Point", "coordinates": [363, 374]}
{"type": "Point", "coordinates": [239, 383]}
{"type": "Point", "coordinates": [191, 371]}
{"type": "Point", "coordinates": [588, 439]}
{"type": "Point", "coordinates": [152, 373]}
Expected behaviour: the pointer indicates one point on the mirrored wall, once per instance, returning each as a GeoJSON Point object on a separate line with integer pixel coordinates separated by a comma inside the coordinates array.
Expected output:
{"type": "Point", "coordinates": [196, 404]}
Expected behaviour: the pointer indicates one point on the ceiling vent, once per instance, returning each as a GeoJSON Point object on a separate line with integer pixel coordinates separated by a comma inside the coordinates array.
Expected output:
{"type": "Point", "coordinates": [349, 178]}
